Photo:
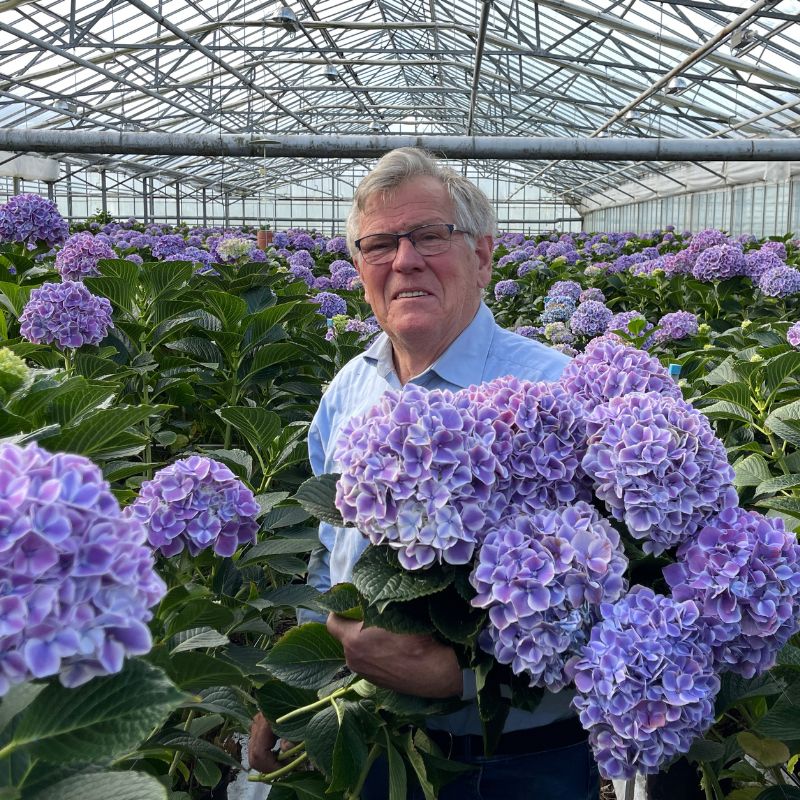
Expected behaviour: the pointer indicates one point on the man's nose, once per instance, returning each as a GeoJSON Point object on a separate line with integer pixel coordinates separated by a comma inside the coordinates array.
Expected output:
{"type": "Point", "coordinates": [407, 256]}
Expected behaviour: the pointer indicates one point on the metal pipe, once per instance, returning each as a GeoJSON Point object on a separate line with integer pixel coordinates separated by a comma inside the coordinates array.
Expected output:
{"type": "Point", "coordinates": [476, 74]}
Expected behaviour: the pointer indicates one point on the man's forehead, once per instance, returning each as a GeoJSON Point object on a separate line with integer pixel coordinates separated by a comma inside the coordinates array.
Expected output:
{"type": "Point", "coordinates": [417, 189]}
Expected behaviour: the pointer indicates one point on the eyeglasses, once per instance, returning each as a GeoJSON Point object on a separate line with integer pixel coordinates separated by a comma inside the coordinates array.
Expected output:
{"type": "Point", "coordinates": [428, 240]}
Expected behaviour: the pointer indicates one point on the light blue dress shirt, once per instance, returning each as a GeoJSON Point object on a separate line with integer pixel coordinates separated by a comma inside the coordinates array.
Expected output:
{"type": "Point", "coordinates": [483, 351]}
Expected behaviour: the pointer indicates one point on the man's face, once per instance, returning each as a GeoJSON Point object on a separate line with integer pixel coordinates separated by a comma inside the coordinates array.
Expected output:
{"type": "Point", "coordinates": [450, 283]}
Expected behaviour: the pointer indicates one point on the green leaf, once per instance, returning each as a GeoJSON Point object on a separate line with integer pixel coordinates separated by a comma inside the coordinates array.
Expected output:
{"type": "Point", "coordinates": [781, 721]}
{"type": "Point", "coordinates": [418, 765]}
{"type": "Point", "coordinates": [778, 369]}
{"type": "Point", "coordinates": [168, 277]}
{"type": "Point", "coordinates": [269, 500]}
{"type": "Point", "coordinates": [99, 721]}
{"type": "Point", "coordinates": [350, 750]}
{"type": "Point", "coordinates": [14, 297]}
{"type": "Point", "coordinates": [453, 621]}
{"type": "Point", "coordinates": [271, 354]}
{"type": "Point", "coordinates": [785, 422]}
{"type": "Point", "coordinates": [397, 773]}
{"type": "Point", "coordinates": [781, 792]}
{"type": "Point", "coordinates": [737, 393]}
{"type": "Point", "coordinates": [705, 750]}
{"type": "Point", "coordinates": [199, 349]}
{"type": "Point", "coordinates": [342, 599]}
{"type": "Point", "coordinates": [317, 495]}
{"type": "Point", "coordinates": [186, 743]}
{"type": "Point", "coordinates": [788, 656]}
{"type": "Point", "coordinates": [69, 407]}
{"type": "Point", "coordinates": [768, 752]}
{"type": "Point", "coordinates": [724, 373]}
{"type": "Point", "coordinates": [278, 546]}
{"type": "Point", "coordinates": [105, 785]}
{"type": "Point", "coordinates": [257, 425]}
{"type": "Point", "coordinates": [780, 483]}
{"type": "Point", "coordinates": [381, 580]}
{"type": "Point", "coordinates": [275, 699]}
{"type": "Point", "coordinates": [206, 773]}
{"type": "Point", "coordinates": [18, 697]}
{"type": "Point", "coordinates": [751, 470]}
{"type": "Point", "coordinates": [193, 671]}
{"type": "Point", "coordinates": [120, 292]}
{"type": "Point", "coordinates": [223, 700]}
{"type": "Point", "coordinates": [307, 657]}
{"type": "Point", "coordinates": [284, 517]}
{"type": "Point", "coordinates": [734, 688]}
{"type": "Point", "coordinates": [321, 734]}
{"type": "Point", "coordinates": [229, 310]}
{"type": "Point", "coordinates": [727, 410]}
{"type": "Point", "coordinates": [409, 617]}
{"type": "Point", "coordinates": [293, 595]}
{"type": "Point", "coordinates": [786, 505]}
{"type": "Point", "coordinates": [195, 639]}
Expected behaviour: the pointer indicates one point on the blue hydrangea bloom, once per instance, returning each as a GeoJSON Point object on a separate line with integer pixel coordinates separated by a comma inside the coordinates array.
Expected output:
{"type": "Point", "coordinates": [330, 304]}
{"type": "Point", "coordinates": [196, 503]}
{"type": "Point", "coordinates": [345, 278]}
{"type": "Point", "coordinates": [557, 309]}
{"type": "Point", "coordinates": [591, 318]}
{"type": "Point", "coordinates": [529, 331]}
{"type": "Point", "coordinates": [646, 683]}
{"type": "Point", "coordinates": [340, 263]}
{"type": "Point", "coordinates": [658, 466]}
{"type": "Point", "coordinates": [337, 244]}
{"type": "Point", "coordinates": [676, 326]}
{"type": "Point", "coordinates": [720, 262]}
{"type": "Point", "coordinates": [302, 241]}
{"type": "Point", "coordinates": [742, 570]}
{"type": "Point", "coordinates": [77, 577]}
{"type": "Point", "coordinates": [508, 288]}
{"type": "Point", "coordinates": [30, 219]}
{"type": "Point", "coordinates": [782, 281]}
{"type": "Point", "coordinates": [78, 258]}
{"type": "Point", "coordinates": [168, 245]}
{"type": "Point", "coordinates": [757, 262]}
{"type": "Point", "coordinates": [65, 314]}
{"type": "Point", "coordinates": [542, 579]}
{"type": "Point", "coordinates": [571, 289]}
{"type": "Point", "coordinates": [302, 258]}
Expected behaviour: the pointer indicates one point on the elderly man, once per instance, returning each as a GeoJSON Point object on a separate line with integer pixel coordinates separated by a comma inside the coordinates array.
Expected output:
{"type": "Point", "coordinates": [421, 236]}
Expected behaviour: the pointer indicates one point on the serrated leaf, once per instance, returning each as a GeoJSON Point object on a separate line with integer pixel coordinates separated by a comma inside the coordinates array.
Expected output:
{"type": "Point", "coordinates": [257, 425]}
{"type": "Point", "coordinates": [785, 422]}
{"type": "Point", "coordinates": [199, 349]}
{"type": "Point", "coordinates": [278, 546]}
{"type": "Point", "coordinates": [99, 721]}
{"type": "Point", "coordinates": [293, 595]}
{"type": "Point", "coordinates": [786, 505]}
{"type": "Point", "coordinates": [105, 785]}
{"type": "Point", "coordinates": [777, 484]}
{"type": "Point", "coordinates": [166, 278]}
{"type": "Point", "coordinates": [727, 410]}
{"type": "Point", "coordinates": [269, 500]}
{"type": "Point", "coordinates": [381, 580]}
{"type": "Point", "coordinates": [737, 393]}
{"type": "Point", "coordinates": [229, 310]}
{"type": "Point", "coordinates": [186, 743]}
{"type": "Point", "coordinates": [271, 354]}
{"type": "Point", "coordinates": [350, 750]}
{"type": "Point", "coordinates": [196, 639]}
{"type": "Point", "coordinates": [284, 517]}
{"type": "Point", "coordinates": [342, 599]}
{"type": "Point", "coordinates": [723, 374]}
{"type": "Point", "coordinates": [307, 657]}
{"type": "Point", "coordinates": [18, 697]}
{"type": "Point", "coordinates": [276, 699]}
{"type": "Point", "coordinates": [321, 733]}
{"type": "Point", "coordinates": [768, 752]}
{"type": "Point", "coordinates": [193, 671]}
{"type": "Point", "coordinates": [223, 700]}
{"type": "Point", "coordinates": [317, 496]}
{"type": "Point", "coordinates": [789, 656]}
{"type": "Point", "coordinates": [751, 470]}
{"type": "Point", "coordinates": [778, 369]}
{"type": "Point", "coordinates": [780, 722]}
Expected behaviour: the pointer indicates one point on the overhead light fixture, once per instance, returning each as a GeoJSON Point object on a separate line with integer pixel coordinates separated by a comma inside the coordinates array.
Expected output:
{"type": "Point", "coordinates": [632, 117]}
{"type": "Point", "coordinates": [331, 73]}
{"type": "Point", "coordinates": [67, 106]}
{"type": "Point", "coordinates": [741, 39]}
{"type": "Point", "coordinates": [287, 19]}
{"type": "Point", "coordinates": [677, 85]}
{"type": "Point", "coordinates": [377, 127]}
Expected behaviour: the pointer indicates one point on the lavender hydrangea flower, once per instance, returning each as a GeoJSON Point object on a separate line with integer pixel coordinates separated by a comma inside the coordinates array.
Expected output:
{"type": "Point", "coordinates": [65, 314]}
{"type": "Point", "coordinates": [528, 266]}
{"type": "Point", "coordinates": [338, 264]}
{"type": "Point", "coordinates": [169, 245]}
{"type": "Point", "coordinates": [778, 248]}
{"type": "Point", "coordinates": [591, 318]}
{"type": "Point", "coordinates": [622, 319]}
{"type": "Point", "coordinates": [196, 503]}
{"type": "Point", "coordinates": [557, 309]}
{"type": "Point", "coordinates": [658, 467]}
{"type": "Point", "coordinates": [416, 474]}
{"type": "Point", "coordinates": [646, 683]}
{"type": "Point", "coordinates": [558, 333]}
{"type": "Point", "coordinates": [31, 219]}
{"type": "Point", "coordinates": [676, 326]}
{"type": "Point", "coordinates": [302, 274]}
{"type": "Point", "coordinates": [593, 293]}
{"type": "Point", "coordinates": [344, 278]}
{"type": "Point", "coordinates": [757, 262]}
{"type": "Point", "coordinates": [534, 332]}
{"type": "Point", "coordinates": [609, 368]}
{"type": "Point", "coordinates": [507, 288]}
{"type": "Point", "coordinates": [793, 335]}
{"type": "Point", "coordinates": [303, 241]}
{"type": "Point", "coordinates": [337, 244]}
{"type": "Point", "coordinates": [743, 572]}
{"type": "Point", "coordinates": [782, 281]}
{"type": "Point", "coordinates": [302, 258]}
{"type": "Point", "coordinates": [135, 258]}
{"type": "Point", "coordinates": [330, 304]}
{"type": "Point", "coordinates": [79, 256]}
{"type": "Point", "coordinates": [570, 289]}
{"type": "Point", "coordinates": [542, 579]}
{"type": "Point", "coordinates": [78, 581]}
{"type": "Point", "coordinates": [720, 262]}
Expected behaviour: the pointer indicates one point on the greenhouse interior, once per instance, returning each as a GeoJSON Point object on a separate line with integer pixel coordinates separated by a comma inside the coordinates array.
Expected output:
{"type": "Point", "coordinates": [399, 400]}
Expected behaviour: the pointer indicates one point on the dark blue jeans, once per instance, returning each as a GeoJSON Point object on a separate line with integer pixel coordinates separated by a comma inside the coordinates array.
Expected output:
{"type": "Point", "coordinates": [565, 773]}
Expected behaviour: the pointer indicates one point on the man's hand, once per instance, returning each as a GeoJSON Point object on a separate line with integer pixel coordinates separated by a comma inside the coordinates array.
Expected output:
{"type": "Point", "coordinates": [408, 663]}
{"type": "Point", "coordinates": [262, 740]}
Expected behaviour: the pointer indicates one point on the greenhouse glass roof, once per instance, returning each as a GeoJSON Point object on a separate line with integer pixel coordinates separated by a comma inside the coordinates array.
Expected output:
{"type": "Point", "coordinates": [553, 68]}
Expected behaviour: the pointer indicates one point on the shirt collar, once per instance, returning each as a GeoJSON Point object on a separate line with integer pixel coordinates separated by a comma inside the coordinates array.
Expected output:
{"type": "Point", "coordinates": [457, 364]}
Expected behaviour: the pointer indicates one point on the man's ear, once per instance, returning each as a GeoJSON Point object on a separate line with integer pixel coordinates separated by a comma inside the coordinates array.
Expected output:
{"type": "Point", "coordinates": [360, 268]}
{"type": "Point", "coordinates": [484, 247]}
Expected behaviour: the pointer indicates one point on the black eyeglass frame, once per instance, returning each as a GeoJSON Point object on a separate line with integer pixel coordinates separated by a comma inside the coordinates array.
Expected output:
{"type": "Point", "coordinates": [408, 235]}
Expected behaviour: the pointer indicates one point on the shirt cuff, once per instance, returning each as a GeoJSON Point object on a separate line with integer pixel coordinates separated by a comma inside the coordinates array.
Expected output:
{"type": "Point", "coordinates": [469, 689]}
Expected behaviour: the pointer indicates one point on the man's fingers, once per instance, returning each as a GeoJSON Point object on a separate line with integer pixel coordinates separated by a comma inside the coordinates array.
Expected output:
{"type": "Point", "coordinates": [262, 740]}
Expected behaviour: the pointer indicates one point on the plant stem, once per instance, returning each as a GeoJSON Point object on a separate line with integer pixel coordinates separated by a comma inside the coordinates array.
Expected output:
{"type": "Point", "coordinates": [371, 758]}
{"type": "Point", "coordinates": [269, 777]}
{"type": "Point", "coordinates": [298, 712]}
{"type": "Point", "coordinates": [8, 749]}
{"type": "Point", "coordinates": [67, 362]}
{"type": "Point", "coordinates": [286, 755]}
{"type": "Point", "coordinates": [176, 759]}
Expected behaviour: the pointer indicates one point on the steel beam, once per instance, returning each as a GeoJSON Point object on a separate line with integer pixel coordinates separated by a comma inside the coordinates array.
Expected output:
{"type": "Point", "coordinates": [356, 146]}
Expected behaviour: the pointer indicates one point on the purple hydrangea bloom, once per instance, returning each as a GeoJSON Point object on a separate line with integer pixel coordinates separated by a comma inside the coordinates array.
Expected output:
{"type": "Point", "coordinates": [566, 349]}
{"type": "Point", "coordinates": [757, 262]}
{"type": "Point", "coordinates": [135, 258]}
{"type": "Point", "coordinates": [534, 332]}
{"type": "Point", "coordinates": [743, 572]}
{"type": "Point", "coordinates": [330, 304]}
{"type": "Point", "coordinates": [558, 333]}
{"type": "Point", "coordinates": [644, 268]}
{"type": "Point", "coordinates": [280, 240]}
{"type": "Point", "coordinates": [31, 219]}
{"type": "Point", "coordinates": [609, 368]}
{"type": "Point", "coordinates": [528, 266]}
{"type": "Point", "coordinates": [417, 472]}
{"type": "Point", "coordinates": [344, 278]}
{"type": "Point", "coordinates": [622, 319]}
{"type": "Point", "coordinates": [782, 281]}
{"type": "Point", "coordinates": [78, 258]}
{"type": "Point", "coordinates": [65, 314]}
{"type": "Point", "coordinates": [571, 289]}
{"type": "Point", "coordinates": [196, 503]}
{"type": "Point", "coordinates": [646, 683]}
{"type": "Point", "coordinates": [303, 241]}
{"type": "Point", "coordinates": [658, 466]}
{"type": "Point", "coordinates": [590, 318]}
{"type": "Point", "coordinates": [322, 283]}
{"type": "Point", "coordinates": [542, 579]}
{"type": "Point", "coordinates": [557, 309]}
{"type": "Point", "coordinates": [602, 249]}
{"type": "Point", "coordinates": [302, 258]}
{"type": "Point", "coordinates": [302, 274]}
{"type": "Point", "coordinates": [592, 293]}
{"type": "Point", "coordinates": [677, 325]}
{"type": "Point", "coordinates": [793, 335]}
{"type": "Point", "coordinates": [78, 579]}
{"type": "Point", "coordinates": [168, 245]}
{"type": "Point", "coordinates": [720, 262]}
{"type": "Point", "coordinates": [193, 254]}
{"type": "Point", "coordinates": [565, 250]}
{"type": "Point", "coordinates": [506, 289]}
{"type": "Point", "coordinates": [340, 263]}
{"type": "Point", "coordinates": [337, 244]}
{"type": "Point", "coordinates": [777, 248]}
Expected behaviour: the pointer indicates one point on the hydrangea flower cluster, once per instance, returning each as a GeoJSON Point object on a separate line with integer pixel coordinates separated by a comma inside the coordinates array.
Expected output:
{"type": "Point", "coordinates": [676, 326]}
{"type": "Point", "coordinates": [793, 335]}
{"type": "Point", "coordinates": [719, 262]}
{"type": "Point", "coordinates": [622, 319]}
{"type": "Point", "coordinates": [542, 579]}
{"type": "Point", "coordinates": [302, 241]}
{"type": "Point", "coordinates": [571, 289]}
{"type": "Point", "coordinates": [782, 281]}
{"type": "Point", "coordinates": [13, 370]}
{"type": "Point", "coordinates": [528, 266]}
{"type": "Point", "coordinates": [168, 245]}
{"type": "Point", "coordinates": [534, 332]}
{"type": "Point", "coordinates": [302, 274]}
{"type": "Point", "coordinates": [591, 318]}
{"type": "Point", "coordinates": [345, 278]}
{"type": "Point", "coordinates": [742, 571]}
{"type": "Point", "coordinates": [506, 288]}
{"type": "Point", "coordinates": [30, 219]}
{"type": "Point", "coordinates": [609, 368]}
{"type": "Point", "coordinates": [557, 309]}
{"type": "Point", "coordinates": [658, 466]}
{"type": "Point", "coordinates": [230, 250]}
{"type": "Point", "coordinates": [78, 580]}
{"type": "Point", "coordinates": [592, 293]}
{"type": "Point", "coordinates": [757, 262]}
{"type": "Point", "coordinates": [196, 503]}
{"type": "Point", "coordinates": [330, 304]}
{"type": "Point", "coordinates": [337, 244]}
{"type": "Point", "coordinates": [302, 258]}
{"type": "Point", "coordinates": [417, 471]}
{"type": "Point", "coordinates": [558, 333]}
{"type": "Point", "coordinates": [338, 264]}
{"type": "Point", "coordinates": [78, 258]}
{"type": "Point", "coordinates": [66, 315]}
{"type": "Point", "coordinates": [645, 640]}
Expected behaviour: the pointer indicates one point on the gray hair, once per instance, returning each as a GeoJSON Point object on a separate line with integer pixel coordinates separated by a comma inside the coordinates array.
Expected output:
{"type": "Point", "coordinates": [473, 211]}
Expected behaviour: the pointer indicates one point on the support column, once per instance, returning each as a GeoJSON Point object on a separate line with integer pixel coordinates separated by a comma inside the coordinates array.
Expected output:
{"type": "Point", "coordinates": [51, 191]}
{"type": "Point", "coordinates": [69, 193]}
{"type": "Point", "coordinates": [177, 202]}
{"type": "Point", "coordinates": [103, 191]}
{"type": "Point", "coordinates": [226, 203]}
{"type": "Point", "coordinates": [145, 205]}
{"type": "Point", "coordinates": [205, 212]}
{"type": "Point", "coordinates": [17, 185]}
{"type": "Point", "coordinates": [151, 200]}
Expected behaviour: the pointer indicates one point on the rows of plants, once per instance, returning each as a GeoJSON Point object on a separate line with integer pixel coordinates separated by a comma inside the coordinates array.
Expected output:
{"type": "Point", "coordinates": [151, 575]}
